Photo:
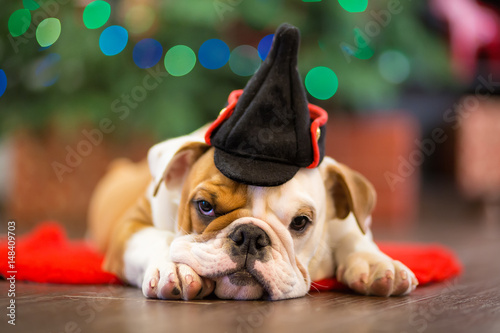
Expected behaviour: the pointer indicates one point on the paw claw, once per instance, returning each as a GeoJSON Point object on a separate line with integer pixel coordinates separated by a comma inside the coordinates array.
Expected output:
{"type": "Point", "coordinates": [153, 283]}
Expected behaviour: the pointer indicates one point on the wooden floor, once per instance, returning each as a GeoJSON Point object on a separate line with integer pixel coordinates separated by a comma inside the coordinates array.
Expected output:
{"type": "Point", "coordinates": [470, 303]}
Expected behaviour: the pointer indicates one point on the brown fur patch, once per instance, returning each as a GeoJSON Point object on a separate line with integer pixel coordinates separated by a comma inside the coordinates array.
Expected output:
{"type": "Point", "coordinates": [225, 220]}
{"type": "Point", "coordinates": [115, 193]}
{"type": "Point", "coordinates": [206, 182]}
{"type": "Point", "coordinates": [351, 192]}
{"type": "Point", "coordinates": [306, 211]}
{"type": "Point", "coordinates": [135, 219]}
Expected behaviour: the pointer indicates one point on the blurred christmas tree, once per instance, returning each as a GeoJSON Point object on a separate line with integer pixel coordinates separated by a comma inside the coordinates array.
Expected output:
{"type": "Point", "coordinates": [376, 54]}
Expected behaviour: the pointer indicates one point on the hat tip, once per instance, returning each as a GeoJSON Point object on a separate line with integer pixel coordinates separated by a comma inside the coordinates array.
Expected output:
{"type": "Point", "coordinates": [285, 44]}
{"type": "Point", "coordinates": [286, 29]}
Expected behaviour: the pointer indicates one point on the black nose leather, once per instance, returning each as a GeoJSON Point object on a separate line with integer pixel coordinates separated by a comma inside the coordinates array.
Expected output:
{"type": "Point", "coordinates": [249, 239]}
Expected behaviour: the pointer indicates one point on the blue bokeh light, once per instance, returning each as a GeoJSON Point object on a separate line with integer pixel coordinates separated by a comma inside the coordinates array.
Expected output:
{"type": "Point", "coordinates": [113, 40]}
{"type": "Point", "coordinates": [265, 46]}
{"type": "Point", "coordinates": [213, 54]}
{"type": "Point", "coordinates": [147, 53]}
{"type": "Point", "coordinates": [46, 72]}
{"type": "Point", "coordinates": [3, 82]}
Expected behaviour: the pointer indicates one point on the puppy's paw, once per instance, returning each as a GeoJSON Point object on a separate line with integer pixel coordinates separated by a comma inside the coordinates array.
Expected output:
{"type": "Point", "coordinates": [175, 281]}
{"type": "Point", "coordinates": [376, 274]}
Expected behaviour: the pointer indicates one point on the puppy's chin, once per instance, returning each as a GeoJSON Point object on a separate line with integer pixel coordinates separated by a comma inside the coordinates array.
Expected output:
{"type": "Point", "coordinates": [239, 285]}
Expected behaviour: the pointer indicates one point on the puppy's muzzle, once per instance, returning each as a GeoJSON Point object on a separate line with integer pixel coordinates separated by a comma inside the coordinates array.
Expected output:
{"type": "Point", "coordinates": [249, 241]}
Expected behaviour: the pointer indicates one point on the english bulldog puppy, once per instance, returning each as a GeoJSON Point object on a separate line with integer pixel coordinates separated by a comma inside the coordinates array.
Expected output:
{"type": "Point", "coordinates": [195, 231]}
{"type": "Point", "coordinates": [248, 207]}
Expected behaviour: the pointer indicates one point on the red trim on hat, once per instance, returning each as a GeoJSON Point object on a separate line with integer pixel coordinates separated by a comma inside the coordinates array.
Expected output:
{"type": "Point", "coordinates": [225, 113]}
{"type": "Point", "coordinates": [320, 117]}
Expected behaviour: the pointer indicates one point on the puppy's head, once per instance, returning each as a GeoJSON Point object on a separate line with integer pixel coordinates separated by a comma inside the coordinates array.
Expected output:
{"type": "Point", "coordinates": [254, 242]}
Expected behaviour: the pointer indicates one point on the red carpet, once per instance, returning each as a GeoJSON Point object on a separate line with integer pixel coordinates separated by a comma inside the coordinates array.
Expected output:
{"type": "Point", "coordinates": [46, 255]}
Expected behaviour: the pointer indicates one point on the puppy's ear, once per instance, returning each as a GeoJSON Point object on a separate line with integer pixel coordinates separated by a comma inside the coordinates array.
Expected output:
{"type": "Point", "coordinates": [351, 192]}
{"type": "Point", "coordinates": [177, 169]}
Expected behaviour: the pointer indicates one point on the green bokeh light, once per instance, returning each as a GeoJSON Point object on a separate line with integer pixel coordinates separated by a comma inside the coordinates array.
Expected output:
{"type": "Point", "coordinates": [394, 66]}
{"type": "Point", "coordinates": [321, 82]}
{"type": "Point", "coordinates": [48, 31]}
{"type": "Point", "coordinates": [244, 60]}
{"type": "Point", "coordinates": [354, 6]}
{"type": "Point", "coordinates": [30, 4]}
{"type": "Point", "coordinates": [96, 14]}
{"type": "Point", "coordinates": [19, 22]}
{"type": "Point", "coordinates": [179, 60]}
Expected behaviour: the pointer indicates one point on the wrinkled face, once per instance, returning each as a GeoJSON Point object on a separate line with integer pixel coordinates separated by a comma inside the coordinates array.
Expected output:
{"type": "Point", "coordinates": [254, 242]}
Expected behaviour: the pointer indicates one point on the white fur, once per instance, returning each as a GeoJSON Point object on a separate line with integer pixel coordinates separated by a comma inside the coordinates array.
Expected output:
{"type": "Point", "coordinates": [281, 275]}
{"type": "Point", "coordinates": [148, 247]}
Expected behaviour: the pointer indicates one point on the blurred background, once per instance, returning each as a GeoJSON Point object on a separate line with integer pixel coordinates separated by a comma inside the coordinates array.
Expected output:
{"type": "Point", "coordinates": [411, 88]}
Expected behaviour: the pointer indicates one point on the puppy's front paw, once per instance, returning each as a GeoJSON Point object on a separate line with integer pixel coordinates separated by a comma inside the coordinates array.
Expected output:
{"type": "Point", "coordinates": [175, 281]}
{"type": "Point", "coordinates": [376, 274]}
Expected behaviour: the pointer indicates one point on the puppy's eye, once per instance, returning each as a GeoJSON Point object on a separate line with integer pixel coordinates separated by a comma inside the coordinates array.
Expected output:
{"type": "Point", "coordinates": [206, 208]}
{"type": "Point", "coordinates": [299, 223]}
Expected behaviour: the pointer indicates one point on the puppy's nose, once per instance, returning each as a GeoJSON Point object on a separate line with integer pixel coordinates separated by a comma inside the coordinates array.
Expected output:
{"type": "Point", "coordinates": [250, 239]}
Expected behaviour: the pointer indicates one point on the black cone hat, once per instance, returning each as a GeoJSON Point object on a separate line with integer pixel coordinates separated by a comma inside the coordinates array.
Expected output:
{"type": "Point", "coordinates": [269, 135]}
